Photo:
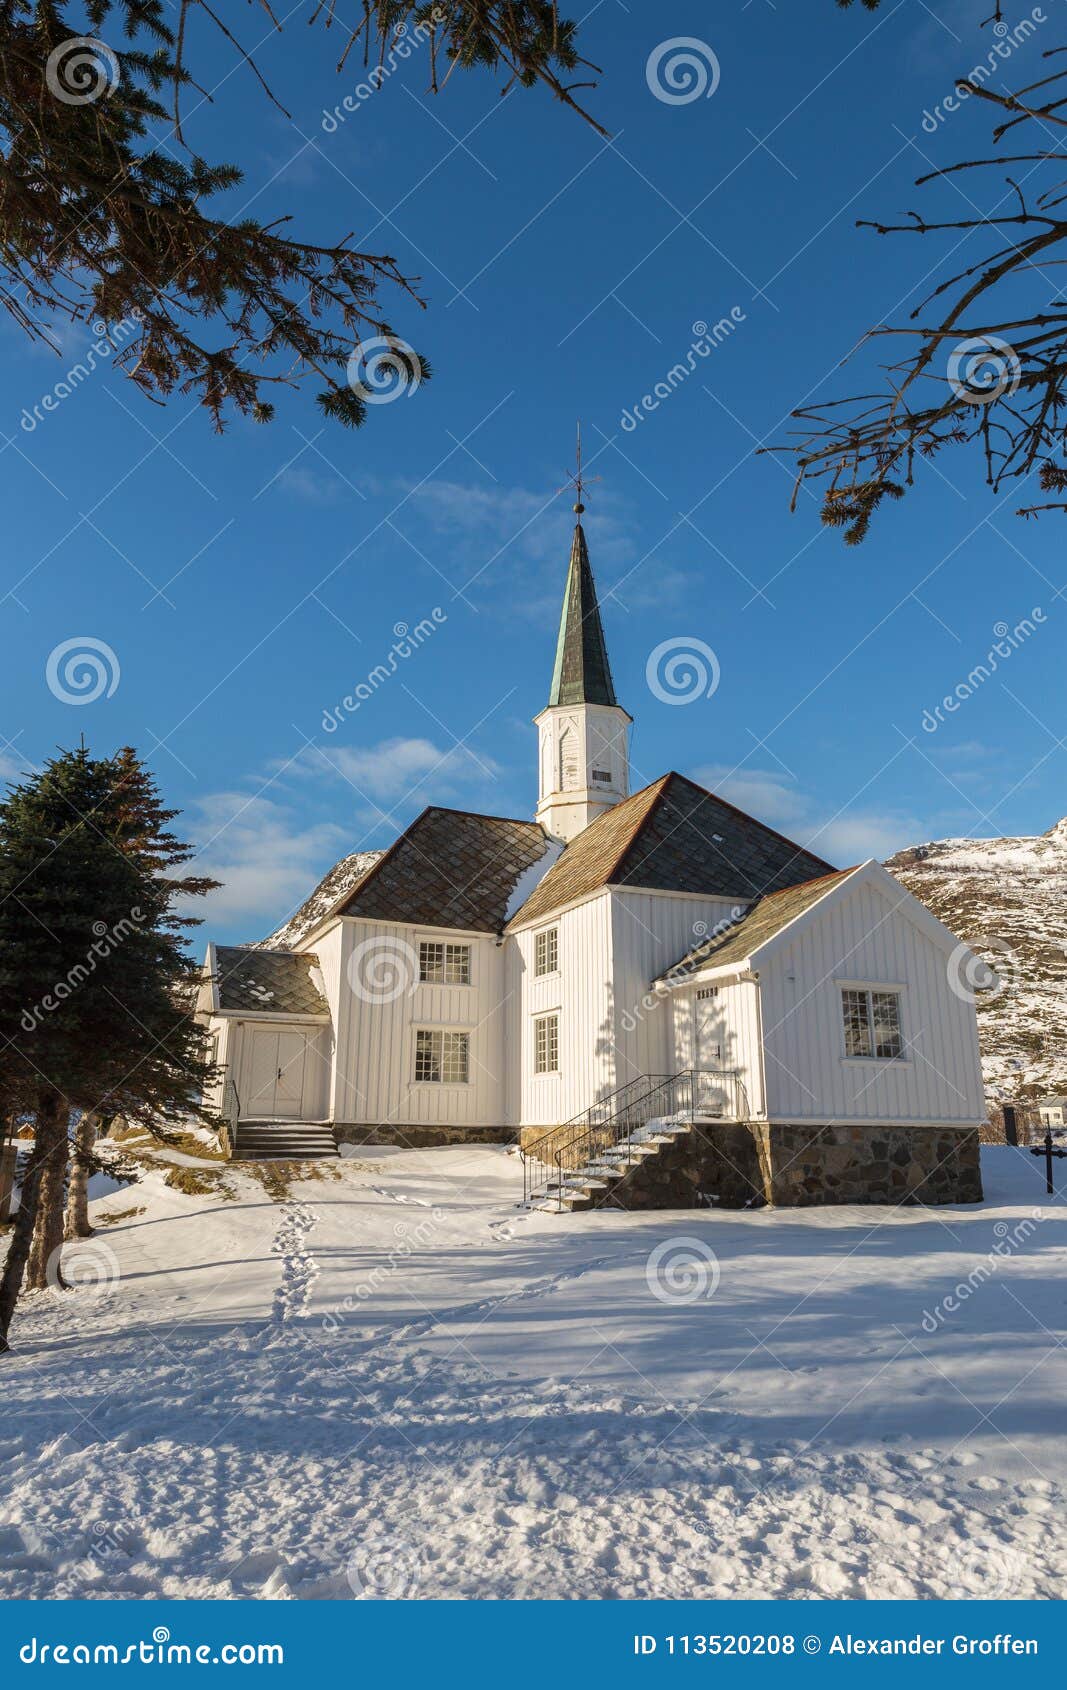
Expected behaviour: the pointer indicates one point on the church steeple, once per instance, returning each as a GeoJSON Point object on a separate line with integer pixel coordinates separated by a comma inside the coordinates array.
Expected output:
{"type": "Point", "coordinates": [583, 762]}
{"type": "Point", "coordinates": [582, 673]}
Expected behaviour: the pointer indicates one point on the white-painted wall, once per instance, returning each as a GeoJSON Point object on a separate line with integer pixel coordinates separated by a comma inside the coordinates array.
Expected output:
{"type": "Point", "coordinates": [861, 939]}
{"type": "Point", "coordinates": [651, 932]}
{"type": "Point", "coordinates": [581, 992]}
{"type": "Point", "coordinates": [374, 1081]}
{"type": "Point", "coordinates": [612, 1026]}
{"type": "Point", "coordinates": [221, 1027]}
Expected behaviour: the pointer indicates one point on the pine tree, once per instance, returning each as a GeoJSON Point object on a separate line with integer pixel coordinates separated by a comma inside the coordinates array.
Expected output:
{"type": "Point", "coordinates": [103, 219]}
{"type": "Point", "coordinates": [96, 987]}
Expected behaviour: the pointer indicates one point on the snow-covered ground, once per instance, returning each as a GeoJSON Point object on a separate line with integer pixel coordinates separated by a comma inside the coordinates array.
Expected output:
{"type": "Point", "coordinates": [397, 1384]}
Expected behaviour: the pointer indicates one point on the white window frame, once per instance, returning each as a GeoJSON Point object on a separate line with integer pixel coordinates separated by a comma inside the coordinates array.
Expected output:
{"type": "Point", "coordinates": [542, 947]}
{"type": "Point", "coordinates": [442, 1051]}
{"type": "Point", "coordinates": [546, 1045]}
{"type": "Point", "coordinates": [868, 991]}
{"type": "Point", "coordinates": [454, 962]}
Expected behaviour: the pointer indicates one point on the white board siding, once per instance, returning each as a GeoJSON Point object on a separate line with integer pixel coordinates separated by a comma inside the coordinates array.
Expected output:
{"type": "Point", "coordinates": [734, 1021]}
{"type": "Point", "coordinates": [329, 948]}
{"type": "Point", "coordinates": [651, 931]}
{"type": "Point", "coordinates": [581, 993]}
{"type": "Point", "coordinates": [375, 1066]}
{"type": "Point", "coordinates": [861, 938]}
{"type": "Point", "coordinates": [222, 1027]}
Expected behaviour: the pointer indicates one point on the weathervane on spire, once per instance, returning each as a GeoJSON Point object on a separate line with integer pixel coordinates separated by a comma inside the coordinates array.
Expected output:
{"type": "Point", "coordinates": [578, 481]}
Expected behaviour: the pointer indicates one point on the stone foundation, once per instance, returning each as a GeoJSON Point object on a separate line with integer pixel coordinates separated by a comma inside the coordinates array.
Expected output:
{"type": "Point", "coordinates": [419, 1136]}
{"type": "Point", "coordinates": [805, 1164]}
{"type": "Point", "coordinates": [711, 1166]}
{"type": "Point", "coordinates": [734, 1165]}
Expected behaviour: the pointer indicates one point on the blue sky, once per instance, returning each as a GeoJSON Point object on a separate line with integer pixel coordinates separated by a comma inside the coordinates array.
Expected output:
{"type": "Point", "coordinates": [246, 583]}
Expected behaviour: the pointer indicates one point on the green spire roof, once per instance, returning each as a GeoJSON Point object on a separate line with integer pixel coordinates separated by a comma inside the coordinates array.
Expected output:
{"type": "Point", "coordinates": [582, 673]}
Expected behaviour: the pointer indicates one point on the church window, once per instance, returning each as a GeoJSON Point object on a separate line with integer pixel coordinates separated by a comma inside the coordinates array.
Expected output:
{"type": "Point", "coordinates": [444, 964]}
{"type": "Point", "coordinates": [546, 952]}
{"type": "Point", "coordinates": [546, 1044]}
{"type": "Point", "coordinates": [442, 1058]}
{"type": "Point", "coordinates": [872, 1023]}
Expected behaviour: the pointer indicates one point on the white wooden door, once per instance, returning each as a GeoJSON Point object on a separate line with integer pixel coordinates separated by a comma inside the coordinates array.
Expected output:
{"type": "Point", "coordinates": [710, 1092]}
{"type": "Point", "coordinates": [276, 1074]}
{"type": "Point", "coordinates": [289, 1091]}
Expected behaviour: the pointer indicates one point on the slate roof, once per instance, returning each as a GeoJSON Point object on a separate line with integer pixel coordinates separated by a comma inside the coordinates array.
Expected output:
{"type": "Point", "coordinates": [674, 836]}
{"type": "Point", "coordinates": [276, 981]}
{"type": "Point", "coordinates": [450, 869]}
{"type": "Point", "coordinates": [761, 922]}
{"type": "Point", "coordinates": [582, 673]}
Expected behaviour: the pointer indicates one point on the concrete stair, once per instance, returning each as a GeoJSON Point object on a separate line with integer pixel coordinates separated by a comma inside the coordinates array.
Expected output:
{"type": "Point", "coordinates": [284, 1141]}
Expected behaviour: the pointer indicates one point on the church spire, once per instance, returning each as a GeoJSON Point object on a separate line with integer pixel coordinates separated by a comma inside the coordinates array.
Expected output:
{"type": "Point", "coordinates": [583, 767]}
{"type": "Point", "coordinates": [582, 673]}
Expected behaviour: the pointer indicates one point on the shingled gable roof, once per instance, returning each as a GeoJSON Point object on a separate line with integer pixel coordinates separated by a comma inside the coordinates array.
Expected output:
{"type": "Point", "coordinates": [450, 869]}
{"type": "Point", "coordinates": [767, 917]}
{"type": "Point", "coordinates": [673, 836]}
{"type": "Point", "coordinates": [274, 982]}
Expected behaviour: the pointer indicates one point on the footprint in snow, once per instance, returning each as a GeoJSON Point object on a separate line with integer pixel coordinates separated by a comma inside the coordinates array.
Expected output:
{"type": "Point", "coordinates": [299, 1267]}
{"type": "Point", "coordinates": [399, 1197]}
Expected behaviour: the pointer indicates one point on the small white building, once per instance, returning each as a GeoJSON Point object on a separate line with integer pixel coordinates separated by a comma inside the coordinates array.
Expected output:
{"type": "Point", "coordinates": [491, 978]}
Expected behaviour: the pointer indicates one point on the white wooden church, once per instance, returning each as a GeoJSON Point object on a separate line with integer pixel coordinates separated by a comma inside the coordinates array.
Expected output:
{"type": "Point", "coordinates": [620, 957]}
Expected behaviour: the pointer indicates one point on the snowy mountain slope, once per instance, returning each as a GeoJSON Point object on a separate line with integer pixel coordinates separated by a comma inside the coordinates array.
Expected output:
{"type": "Point", "coordinates": [394, 1384]}
{"type": "Point", "coordinates": [1008, 899]}
{"type": "Point", "coordinates": [343, 878]}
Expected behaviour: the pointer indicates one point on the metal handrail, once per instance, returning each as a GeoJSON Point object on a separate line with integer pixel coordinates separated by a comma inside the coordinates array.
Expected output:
{"type": "Point", "coordinates": [543, 1156]}
{"type": "Point", "coordinates": [673, 1096]}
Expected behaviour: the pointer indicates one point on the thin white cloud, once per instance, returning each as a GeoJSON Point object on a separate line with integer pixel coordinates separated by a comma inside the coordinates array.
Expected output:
{"type": "Point", "coordinates": [851, 837]}
{"type": "Point", "coordinates": [395, 769]}
{"type": "Point", "coordinates": [310, 485]}
{"type": "Point", "coordinates": [267, 858]}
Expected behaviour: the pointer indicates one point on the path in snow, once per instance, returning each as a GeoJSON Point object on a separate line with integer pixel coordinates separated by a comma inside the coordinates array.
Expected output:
{"type": "Point", "coordinates": [299, 1267]}
{"type": "Point", "coordinates": [351, 1397]}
